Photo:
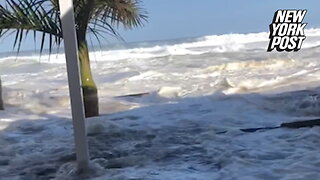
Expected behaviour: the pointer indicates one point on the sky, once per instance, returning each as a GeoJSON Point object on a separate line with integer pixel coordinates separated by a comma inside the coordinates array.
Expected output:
{"type": "Point", "coordinates": [173, 19]}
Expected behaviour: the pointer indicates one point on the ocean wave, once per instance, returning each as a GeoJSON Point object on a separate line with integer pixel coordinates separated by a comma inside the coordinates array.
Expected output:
{"type": "Point", "coordinates": [207, 44]}
{"type": "Point", "coordinates": [245, 65]}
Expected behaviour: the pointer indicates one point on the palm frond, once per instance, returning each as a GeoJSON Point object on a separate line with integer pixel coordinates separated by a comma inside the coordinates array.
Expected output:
{"type": "Point", "coordinates": [107, 15]}
{"type": "Point", "coordinates": [129, 13]}
{"type": "Point", "coordinates": [42, 17]}
{"type": "Point", "coordinates": [31, 15]}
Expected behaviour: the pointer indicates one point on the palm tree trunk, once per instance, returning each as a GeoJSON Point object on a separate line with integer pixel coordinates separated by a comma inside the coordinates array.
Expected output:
{"type": "Point", "coordinates": [89, 88]}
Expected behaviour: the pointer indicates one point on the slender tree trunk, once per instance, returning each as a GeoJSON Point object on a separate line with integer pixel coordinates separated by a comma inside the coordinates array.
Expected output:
{"type": "Point", "coordinates": [1, 101]}
{"type": "Point", "coordinates": [89, 88]}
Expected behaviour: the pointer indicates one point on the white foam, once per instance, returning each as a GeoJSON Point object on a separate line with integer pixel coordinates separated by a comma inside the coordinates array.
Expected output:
{"type": "Point", "coordinates": [170, 92]}
{"type": "Point", "coordinates": [207, 44]}
{"type": "Point", "coordinates": [192, 92]}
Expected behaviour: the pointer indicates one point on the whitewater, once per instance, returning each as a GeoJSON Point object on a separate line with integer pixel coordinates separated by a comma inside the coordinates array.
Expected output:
{"type": "Point", "coordinates": [196, 95]}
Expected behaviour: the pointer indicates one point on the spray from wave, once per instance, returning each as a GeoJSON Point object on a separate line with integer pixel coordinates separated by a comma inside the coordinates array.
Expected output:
{"type": "Point", "coordinates": [197, 46]}
{"type": "Point", "coordinates": [230, 63]}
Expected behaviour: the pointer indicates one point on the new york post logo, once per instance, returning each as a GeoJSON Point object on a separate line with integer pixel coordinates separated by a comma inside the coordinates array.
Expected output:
{"type": "Point", "coordinates": [287, 30]}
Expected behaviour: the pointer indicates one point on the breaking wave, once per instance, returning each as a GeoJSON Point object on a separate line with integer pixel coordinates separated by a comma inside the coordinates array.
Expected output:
{"type": "Point", "coordinates": [197, 46]}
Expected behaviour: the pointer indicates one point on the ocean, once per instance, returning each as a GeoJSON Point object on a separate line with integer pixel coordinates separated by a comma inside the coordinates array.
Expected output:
{"type": "Point", "coordinates": [199, 93]}
{"type": "Point", "coordinates": [197, 65]}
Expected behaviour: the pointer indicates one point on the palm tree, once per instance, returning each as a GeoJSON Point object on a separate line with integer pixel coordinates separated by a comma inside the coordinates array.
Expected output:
{"type": "Point", "coordinates": [98, 17]}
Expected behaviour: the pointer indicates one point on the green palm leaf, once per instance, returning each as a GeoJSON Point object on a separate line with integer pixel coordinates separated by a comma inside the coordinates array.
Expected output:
{"type": "Point", "coordinates": [42, 17]}
{"type": "Point", "coordinates": [26, 16]}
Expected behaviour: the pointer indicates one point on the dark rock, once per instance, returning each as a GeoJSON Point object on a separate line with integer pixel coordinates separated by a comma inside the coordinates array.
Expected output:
{"type": "Point", "coordinates": [301, 124]}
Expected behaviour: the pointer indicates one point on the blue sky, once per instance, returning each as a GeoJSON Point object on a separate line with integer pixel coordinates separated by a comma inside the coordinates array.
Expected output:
{"type": "Point", "coordinates": [170, 19]}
